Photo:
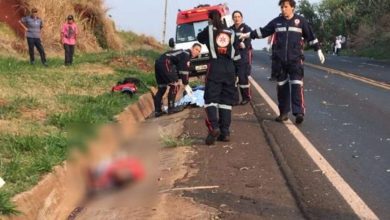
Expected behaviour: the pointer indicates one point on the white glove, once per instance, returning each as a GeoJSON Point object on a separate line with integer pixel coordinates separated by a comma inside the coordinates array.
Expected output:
{"type": "Point", "coordinates": [189, 91]}
{"type": "Point", "coordinates": [321, 56]}
{"type": "Point", "coordinates": [2, 182]}
{"type": "Point", "coordinates": [245, 36]}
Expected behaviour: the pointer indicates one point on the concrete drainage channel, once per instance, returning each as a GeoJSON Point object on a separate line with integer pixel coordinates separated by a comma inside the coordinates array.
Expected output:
{"type": "Point", "coordinates": [62, 190]}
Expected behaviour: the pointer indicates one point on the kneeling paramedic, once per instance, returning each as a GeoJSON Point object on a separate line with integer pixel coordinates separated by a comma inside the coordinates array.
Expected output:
{"type": "Point", "coordinates": [220, 80]}
{"type": "Point", "coordinates": [168, 67]}
{"type": "Point", "coordinates": [289, 30]}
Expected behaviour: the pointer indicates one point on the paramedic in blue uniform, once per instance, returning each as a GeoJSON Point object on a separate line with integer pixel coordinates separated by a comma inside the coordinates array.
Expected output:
{"type": "Point", "coordinates": [220, 80]}
{"type": "Point", "coordinates": [289, 30]}
{"type": "Point", "coordinates": [243, 66]}
{"type": "Point", "coordinates": [169, 67]}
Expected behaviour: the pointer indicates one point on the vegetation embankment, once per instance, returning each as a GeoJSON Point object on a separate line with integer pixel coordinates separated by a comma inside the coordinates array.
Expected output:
{"type": "Point", "coordinates": [44, 112]}
{"type": "Point", "coordinates": [364, 23]}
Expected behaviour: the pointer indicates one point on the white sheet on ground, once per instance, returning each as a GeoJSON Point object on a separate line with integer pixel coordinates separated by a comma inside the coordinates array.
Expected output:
{"type": "Point", "coordinates": [195, 99]}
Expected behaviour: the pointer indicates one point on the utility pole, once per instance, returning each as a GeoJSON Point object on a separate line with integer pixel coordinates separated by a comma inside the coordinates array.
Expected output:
{"type": "Point", "coordinates": [165, 22]}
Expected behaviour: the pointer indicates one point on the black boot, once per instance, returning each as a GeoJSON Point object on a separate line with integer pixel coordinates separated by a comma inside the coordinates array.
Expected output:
{"type": "Point", "coordinates": [299, 119]}
{"type": "Point", "coordinates": [212, 136]}
{"type": "Point", "coordinates": [171, 100]}
{"type": "Point", "coordinates": [223, 138]}
{"type": "Point", "coordinates": [158, 101]}
{"type": "Point", "coordinates": [225, 119]}
{"type": "Point", "coordinates": [245, 96]}
{"type": "Point", "coordinates": [281, 118]}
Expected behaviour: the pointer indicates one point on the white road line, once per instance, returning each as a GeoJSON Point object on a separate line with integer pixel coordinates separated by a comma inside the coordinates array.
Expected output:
{"type": "Point", "coordinates": [382, 85]}
{"type": "Point", "coordinates": [346, 61]}
{"type": "Point", "coordinates": [375, 65]}
{"type": "Point", "coordinates": [350, 196]}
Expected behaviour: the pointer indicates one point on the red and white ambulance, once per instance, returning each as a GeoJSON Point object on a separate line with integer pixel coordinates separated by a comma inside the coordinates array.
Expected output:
{"type": "Point", "coordinates": [188, 24]}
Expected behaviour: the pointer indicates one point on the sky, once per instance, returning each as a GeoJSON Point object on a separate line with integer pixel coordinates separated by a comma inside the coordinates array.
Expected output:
{"type": "Point", "coordinates": [146, 16]}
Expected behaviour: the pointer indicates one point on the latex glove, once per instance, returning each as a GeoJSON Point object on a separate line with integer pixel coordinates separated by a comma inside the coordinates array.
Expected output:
{"type": "Point", "coordinates": [2, 182]}
{"type": "Point", "coordinates": [189, 91]}
{"type": "Point", "coordinates": [321, 56]}
{"type": "Point", "coordinates": [245, 36]}
{"type": "Point", "coordinates": [242, 45]}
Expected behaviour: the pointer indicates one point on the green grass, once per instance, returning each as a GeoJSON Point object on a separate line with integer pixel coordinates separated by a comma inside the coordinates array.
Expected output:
{"type": "Point", "coordinates": [12, 109]}
{"type": "Point", "coordinates": [48, 111]}
{"type": "Point", "coordinates": [171, 142]}
{"type": "Point", "coordinates": [380, 51]}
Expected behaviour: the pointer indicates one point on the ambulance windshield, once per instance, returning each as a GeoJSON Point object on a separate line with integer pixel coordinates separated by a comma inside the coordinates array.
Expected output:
{"type": "Point", "coordinates": [188, 32]}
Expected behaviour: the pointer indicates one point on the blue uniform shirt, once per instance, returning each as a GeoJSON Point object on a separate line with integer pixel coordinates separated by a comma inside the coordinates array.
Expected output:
{"type": "Point", "coordinates": [289, 35]}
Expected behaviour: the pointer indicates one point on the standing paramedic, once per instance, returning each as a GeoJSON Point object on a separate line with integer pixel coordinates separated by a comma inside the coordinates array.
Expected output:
{"type": "Point", "coordinates": [32, 25]}
{"type": "Point", "coordinates": [220, 80]}
{"type": "Point", "coordinates": [168, 67]}
{"type": "Point", "coordinates": [289, 30]}
{"type": "Point", "coordinates": [69, 32]}
{"type": "Point", "coordinates": [243, 65]}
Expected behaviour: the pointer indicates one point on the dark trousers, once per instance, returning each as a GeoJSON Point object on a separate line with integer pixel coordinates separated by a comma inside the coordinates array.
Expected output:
{"type": "Point", "coordinates": [276, 67]}
{"type": "Point", "coordinates": [165, 79]}
{"type": "Point", "coordinates": [243, 72]}
{"type": "Point", "coordinates": [173, 89]}
{"type": "Point", "coordinates": [291, 75]}
{"type": "Point", "coordinates": [69, 52]}
{"type": "Point", "coordinates": [36, 42]}
{"type": "Point", "coordinates": [219, 95]}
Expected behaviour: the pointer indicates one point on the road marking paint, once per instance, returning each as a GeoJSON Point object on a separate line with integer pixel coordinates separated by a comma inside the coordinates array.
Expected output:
{"type": "Point", "coordinates": [350, 196]}
{"type": "Point", "coordinates": [382, 85]}
{"type": "Point", "coordinates": [346, 61]}
{"type": "Point", "coordinates": [375, 65]}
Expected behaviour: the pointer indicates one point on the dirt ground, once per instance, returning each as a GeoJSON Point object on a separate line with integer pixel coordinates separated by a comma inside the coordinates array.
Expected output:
{"type": "Point", "coordinates": [155, 196]}
{"type": "Point", "coordinates": [235, 180]}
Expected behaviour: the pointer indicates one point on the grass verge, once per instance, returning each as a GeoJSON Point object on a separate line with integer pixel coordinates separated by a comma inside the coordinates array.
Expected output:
{"type": "Point", "coordinates": [44, 112]}
{"type": "Point", "coordinates": [171, 142]}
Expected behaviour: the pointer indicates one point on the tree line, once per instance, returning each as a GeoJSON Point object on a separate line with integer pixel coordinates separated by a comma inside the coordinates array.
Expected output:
{"type": "Point", "coordinates": [365, 23]}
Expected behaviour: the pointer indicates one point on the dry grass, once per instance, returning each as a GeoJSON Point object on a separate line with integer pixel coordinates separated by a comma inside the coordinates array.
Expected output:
{"type": "Point", "coordinates": [97, 31]}
{"type": "Point", "coordinates": [133, 62]}
{"type": "Point", "coordinates": [8, 44]}
{"type": "Point", "coordinates": [54, 13]}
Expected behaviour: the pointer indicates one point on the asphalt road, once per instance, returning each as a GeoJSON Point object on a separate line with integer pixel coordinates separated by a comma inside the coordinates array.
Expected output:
{"type": "Point", "coordinates": [347, 120]}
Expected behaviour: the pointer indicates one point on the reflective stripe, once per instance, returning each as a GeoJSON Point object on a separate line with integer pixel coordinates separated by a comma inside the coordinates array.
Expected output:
{"type": "Point", "coordinates": [282, 82]}
{"type": "Point", "coordinates": [300, 82]}
{"type": "Point", "coordinates": [184, 72]}
{"type": "Point", "coordinates": [211, 39]}
{"type": "Point", "coordinates": [174, 84]}
{"type": "Point", "coordinates": [295, 29]}
{"type": "Point", "coordinates": [174, 53]}
{"type": "Point", "coordinates": [244, 86]}
{"type": "Point", "coordinates": [281, 29]}
{"type": "Point", "coordinates": [237, 57]}
{"type": "Point", "coordinates": [258, 31]}
{"type": "Point", "coordinates": [231, 46]}
{"type": "Point", "coordinates": [211, 105]}
{"type": "Point", "coordinates": [162, 85]}
{"type": "Point", "coordinates": [227, 31]}
{"type": "Point", "coordinates": [227, 107]}
{"type": "Point", "coordinates": [313, 42]}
